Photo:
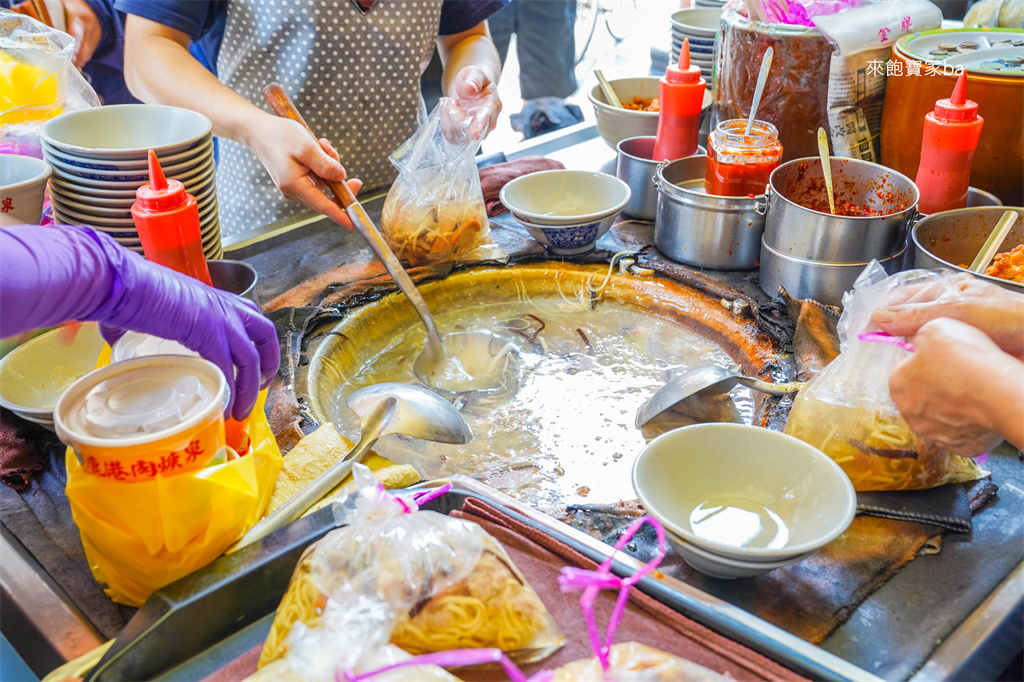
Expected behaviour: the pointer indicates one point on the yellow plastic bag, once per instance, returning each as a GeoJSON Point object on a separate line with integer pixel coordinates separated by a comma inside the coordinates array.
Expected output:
{"type": "Point", "coordinates": [141, 536]}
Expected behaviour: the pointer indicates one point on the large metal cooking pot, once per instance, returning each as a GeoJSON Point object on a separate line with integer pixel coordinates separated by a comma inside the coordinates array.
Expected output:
{"type": "Point", "coordinates": [707, 231]}
{"type": "Point", "coordinates": [953, 238]}
{"type": "Point", "coordinates": [822, 282]}
{"type": "Point", "coordinates": [800, 232]}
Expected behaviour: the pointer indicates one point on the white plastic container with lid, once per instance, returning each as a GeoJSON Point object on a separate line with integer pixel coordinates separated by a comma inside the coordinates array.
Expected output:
{"type": "Point", "coordinates": [145, 417]}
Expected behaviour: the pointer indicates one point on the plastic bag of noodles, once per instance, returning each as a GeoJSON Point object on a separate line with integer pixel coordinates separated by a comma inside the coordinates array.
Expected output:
{"type": "Point", "coordinates": [449, 583]}
{"type": "Point", "coordinates": [846, 411]}
{"type": "Point", "coordinates": [351, 634]}
{"type": "Point", "coordinates": [435, 210]}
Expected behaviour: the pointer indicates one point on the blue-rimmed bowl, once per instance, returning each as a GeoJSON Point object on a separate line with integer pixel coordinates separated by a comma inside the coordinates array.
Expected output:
{"type": "Point", "coordinates": [568, 210]}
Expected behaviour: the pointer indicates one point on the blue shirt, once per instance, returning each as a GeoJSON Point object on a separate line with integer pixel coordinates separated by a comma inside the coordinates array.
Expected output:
{"type": "Point", "coordinates": [204, 20]}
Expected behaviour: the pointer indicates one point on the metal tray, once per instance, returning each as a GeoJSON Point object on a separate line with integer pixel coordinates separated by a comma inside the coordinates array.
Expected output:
{"type": "Point", "coordinates": [195, 626]}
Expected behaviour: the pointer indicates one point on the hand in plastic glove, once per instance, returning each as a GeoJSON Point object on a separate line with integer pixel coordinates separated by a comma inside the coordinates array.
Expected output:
{"type": "Point", "coordinates": [290, 154]}
{"type": "Point", "coordinates": [50, 275]}
{"type": "Point", "coordinates": [992, 309]}
{"type": "Point", "coordinates": [958, 389]}
{"type": "Point", "coordinates": [476, 98]}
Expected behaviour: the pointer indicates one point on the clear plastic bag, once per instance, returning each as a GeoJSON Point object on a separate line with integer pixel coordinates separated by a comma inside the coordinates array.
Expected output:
{"type": "Point", "coordinates": [435, 210]}
{"type": "Point", "coordinates": [449, 583]}
{"type": "Point", "coordinates": [635, 661]}
{"type": "Point", "coordinates": [37, 81]}
{"type": "Point", "coordinates": [846, 411]}
{"type": "Point", "coordinates": [351, 635]}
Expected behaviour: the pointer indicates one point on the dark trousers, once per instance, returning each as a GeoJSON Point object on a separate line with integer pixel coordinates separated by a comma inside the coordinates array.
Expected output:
{"type": "Point", "coordinates": [544, 44]}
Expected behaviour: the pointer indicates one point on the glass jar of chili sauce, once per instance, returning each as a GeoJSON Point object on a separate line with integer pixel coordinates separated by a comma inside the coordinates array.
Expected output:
{"type": "Point", "coordinates": [738, 165]}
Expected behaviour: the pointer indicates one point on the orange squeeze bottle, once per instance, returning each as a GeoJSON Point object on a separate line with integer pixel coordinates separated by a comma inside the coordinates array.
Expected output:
{"type": "Point", "coordinates": [167, 218]}
{"type": "Point", "coordinates": [681, 93]}
{"type": "Point", "coordinates": [951, 134]}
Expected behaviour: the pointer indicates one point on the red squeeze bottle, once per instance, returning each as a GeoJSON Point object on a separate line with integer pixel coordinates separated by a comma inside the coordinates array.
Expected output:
{"type": "Point", "coordinates": [950, 138]}
{"type": "Point", "coordinates": [167, 218]}
{"type": "Point", "coordinates": [681, 93]}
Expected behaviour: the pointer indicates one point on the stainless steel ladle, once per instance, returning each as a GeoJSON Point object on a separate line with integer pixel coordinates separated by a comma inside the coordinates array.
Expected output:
{"type": "Point", "coordinates": [705, 382]}
{"type": "Point", "coordinates": [383, 409]}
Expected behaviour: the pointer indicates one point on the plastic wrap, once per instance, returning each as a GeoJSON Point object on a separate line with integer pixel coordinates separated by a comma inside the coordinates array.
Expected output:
{"type": "Point", "coordinates": [37, 81]}
{"type": "Point", "coordinates": [351, 635]}
{"type": "Point", "coordinates": [794, 100]}
{"type": "Point", "coordinates": [449, 584]}
{"type": "Point", "coordinates": [435, 210]}
{"type": "Point", "coordinates": [846, 411]}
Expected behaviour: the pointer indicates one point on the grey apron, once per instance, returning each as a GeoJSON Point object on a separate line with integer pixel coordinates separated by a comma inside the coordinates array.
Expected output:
{"type": "Point", "coordinates": [354, 77]}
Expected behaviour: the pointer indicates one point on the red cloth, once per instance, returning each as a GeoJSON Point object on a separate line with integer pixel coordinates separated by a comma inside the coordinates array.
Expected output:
{"type": "Point", "coordinates": [21, 450]}
{"type": "Point", "coordinates": [493, 178]}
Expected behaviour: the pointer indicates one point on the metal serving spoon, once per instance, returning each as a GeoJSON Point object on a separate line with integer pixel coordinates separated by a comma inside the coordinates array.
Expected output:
{"type": "Point", "coordinates": [383, 409]}
{"type": "Point", "coordinates": [705, 382]}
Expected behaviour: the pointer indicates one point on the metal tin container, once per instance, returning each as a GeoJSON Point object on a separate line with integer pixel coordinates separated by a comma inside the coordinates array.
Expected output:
{"type": "Point", "coordinates": [803, 233]}
{"type": "Point", "coordinates": [721, 233]}
{"type": "Point", "coordinates": [235, 277]}
{"type": "Point", "coordinates": [951, 238]}
{"type": "Point", "coordinates": [635, 166]}
{"type": "Point", "coordinates": [822, 282]}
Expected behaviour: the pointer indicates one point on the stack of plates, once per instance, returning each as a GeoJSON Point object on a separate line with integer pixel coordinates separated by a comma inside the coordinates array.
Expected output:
{"type": "Point", "coordinates": [700, 26]}
{"type": "Point", "coordinates": [99, 158]}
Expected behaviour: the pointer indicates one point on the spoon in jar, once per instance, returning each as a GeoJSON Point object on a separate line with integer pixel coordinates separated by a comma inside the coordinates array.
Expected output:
{"type": "Point", "coordinates": [762, 80]}
{"type": "Point", "coordinates": [826, 168]}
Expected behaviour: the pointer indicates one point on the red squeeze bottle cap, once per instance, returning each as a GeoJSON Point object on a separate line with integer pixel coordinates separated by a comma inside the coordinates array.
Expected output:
{"type": "Point", "coordinates": [685, 72]}
{"type": "Point", "coordinates": [160, 194]}
{"type": "Point", "coordinates": [957, 107]}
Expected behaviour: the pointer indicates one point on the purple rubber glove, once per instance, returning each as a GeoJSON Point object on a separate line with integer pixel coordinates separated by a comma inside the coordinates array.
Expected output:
{"type": "Point", "coordinates": [49, 275]}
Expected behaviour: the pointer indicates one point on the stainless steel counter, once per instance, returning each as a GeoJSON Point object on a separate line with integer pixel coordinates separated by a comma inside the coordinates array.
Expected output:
{"type": "Point", "coordinates": [955, 615]}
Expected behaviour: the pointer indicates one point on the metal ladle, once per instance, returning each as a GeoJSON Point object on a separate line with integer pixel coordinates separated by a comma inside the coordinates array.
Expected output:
{"type": "Point", "coordinates": [434, 354]}
{"type": "Point", "coordinates": [705, 383]}
{"type": "Point", "coordinates": [382, 409]}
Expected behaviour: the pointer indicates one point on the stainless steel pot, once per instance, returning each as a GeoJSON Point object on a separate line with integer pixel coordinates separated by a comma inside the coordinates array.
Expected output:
{"type": "Point", "coordinates": [721, 233]}
{"type": "Point", "coordinates": [804, 233]}
{"type": "Point", "coordinates": [822, 282]}
{"type": "Point", "coordinates": [952, 238]}
{"type": "Point", "coordinates": [635, 166]}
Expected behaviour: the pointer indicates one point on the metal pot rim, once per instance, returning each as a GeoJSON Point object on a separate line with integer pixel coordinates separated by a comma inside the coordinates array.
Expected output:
{"type": "Point", "coordinates": [795, 259]}
{"type": "Point", "coordinates": [675, 191]}
{"type": "Point", "coordinates": [956, 212]}
{"type": "Point", "coordinates": [909, 210]}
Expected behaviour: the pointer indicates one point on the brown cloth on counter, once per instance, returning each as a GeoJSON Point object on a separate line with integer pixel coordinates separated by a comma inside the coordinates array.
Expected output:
{"type": "Point", "coordinates": [22, 449]}
{"type": "Point", "coordinates": [645, 620]}
{"type": "Point", "coordinates": [815, 341]}
{"type": "Point", "coordinates": [493, 178]}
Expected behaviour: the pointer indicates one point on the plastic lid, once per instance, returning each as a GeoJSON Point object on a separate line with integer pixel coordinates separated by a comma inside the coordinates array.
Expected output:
{"type": "Point", "coordinates": [136, 345]}
{"type": "Point", "coordinates": [957, 107]}
{"type": "Point", "coordinates": [160, 194]}
{"type": "Point", "coordinates": [685, 72]}
{"type": "Point", "coordinates": [141, 400]}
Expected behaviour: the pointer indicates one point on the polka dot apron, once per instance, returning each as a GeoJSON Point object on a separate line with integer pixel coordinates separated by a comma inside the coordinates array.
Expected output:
{"type": "Point", "coordinates": [354, 77]}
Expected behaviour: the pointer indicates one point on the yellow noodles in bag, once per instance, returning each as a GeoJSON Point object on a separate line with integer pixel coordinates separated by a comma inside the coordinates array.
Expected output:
{"type": "Point", "coordinates": [449, 583]}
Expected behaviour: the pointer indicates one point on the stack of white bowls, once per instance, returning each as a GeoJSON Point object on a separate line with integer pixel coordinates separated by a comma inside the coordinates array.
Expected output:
{"type": "Point", "coordinates": [700, 26]}
{"type": "Point", "coordinates": [709, 4]}
{"type": "Point", "coordinates": [100, 157]}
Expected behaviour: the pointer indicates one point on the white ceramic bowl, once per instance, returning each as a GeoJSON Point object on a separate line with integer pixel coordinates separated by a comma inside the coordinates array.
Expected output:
{"type": "Point", "coordinates": [126, 131]}
{"type": "Point", "coordinates": [193, 175]}
{"type": "Point", "coordinates": [139, 163]}
{"type": "Point", "coordinates": [566, 209]}
{"type": "Point", "coordinates": [744, 492]}
{"type": "Point", "coordinates": [616, 124]}
{"type": "Point", "coordinates": [22, 186]}
{"type": "Point", "coordinates": [33, 375]}
{"type": "Point", "coordinates": [127, 174]}
{"type": "Point", "coordinates": [718, 566]}
{"type": "Point", "coordinates": [696, 22]}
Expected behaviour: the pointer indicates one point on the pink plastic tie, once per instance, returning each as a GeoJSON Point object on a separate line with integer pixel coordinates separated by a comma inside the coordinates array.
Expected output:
{"type": "Point", "coordinates": [592, 582]}
{"type": "Point", "coordinates": [456, 658]}
{"type": "Point", "coordinates": [883, 337]}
